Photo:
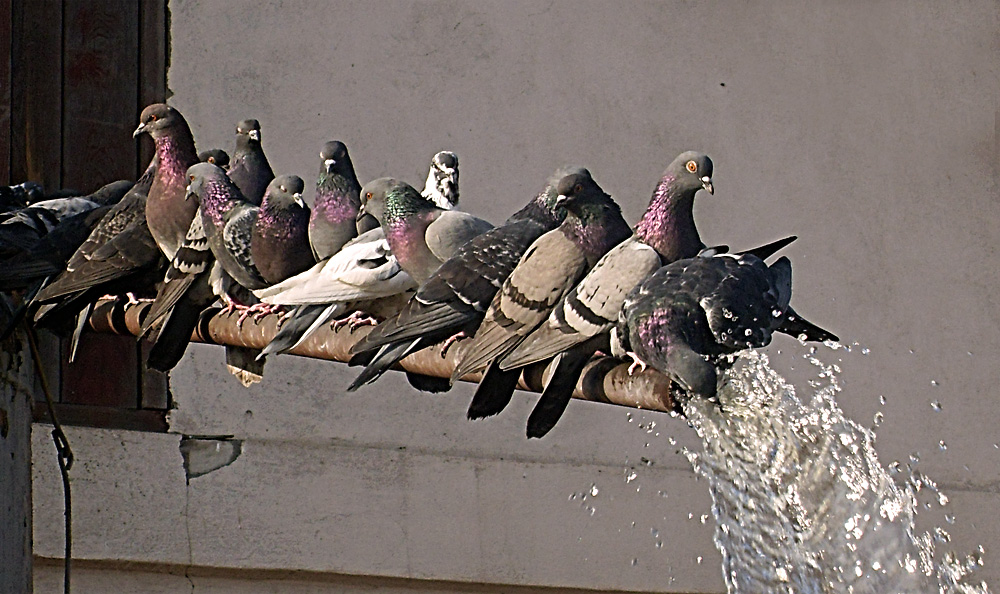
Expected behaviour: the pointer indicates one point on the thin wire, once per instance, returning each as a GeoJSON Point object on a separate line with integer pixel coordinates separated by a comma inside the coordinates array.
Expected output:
{"type": "Point", "coordinates": [63, 453]}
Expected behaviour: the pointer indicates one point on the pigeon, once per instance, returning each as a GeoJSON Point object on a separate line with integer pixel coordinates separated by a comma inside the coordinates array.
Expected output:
{"type": "Point", "coordinates": [689, 315]}
{"type": "Point", "coordinates": [228, 220]}
{"type": "Point", "coordinates": [168, 212]}
{"type": "Point", "coordinates": [13, 198]}
{"type": "Point", "coordinates": [120, 254]}
{"type": "Point", "coordinates": [666, 232]}
{"type": "Point", "coordinates": [441, 186]}
{"type": "Point", "coordinates": [23, 228]}
{"type": "Point", "coordinates": [364, 270]}
{"type": "Point", "coordinates": [248, 167]}
{"type": "Point", "coordinates": [333, 221]}
{"type": "Point", "coordinates": [550, 267]}
{"type": "Point", "coordinates": [279, 243]}
{"type": "Point", "coordinates": [455, 298]}
{"type": "Point", "coordinates": [420, 234]}
{"type": "Point", "coordinates": [214, 156]}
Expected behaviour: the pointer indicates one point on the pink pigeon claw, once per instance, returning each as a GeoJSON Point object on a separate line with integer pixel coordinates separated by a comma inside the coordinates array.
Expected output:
{"type": "Point", "coordinates": [450, 341]}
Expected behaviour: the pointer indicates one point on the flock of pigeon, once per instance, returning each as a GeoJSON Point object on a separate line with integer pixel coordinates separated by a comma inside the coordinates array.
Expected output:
{"type": "Point", "coordinates": [564, 277]}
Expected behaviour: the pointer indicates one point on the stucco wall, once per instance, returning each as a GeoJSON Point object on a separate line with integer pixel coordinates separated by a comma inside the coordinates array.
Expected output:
{"type": "Point", "coordinates": [867, 129]}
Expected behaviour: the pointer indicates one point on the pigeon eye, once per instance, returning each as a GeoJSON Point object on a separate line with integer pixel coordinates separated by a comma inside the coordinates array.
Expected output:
{"type": "Point", "coordinates": [578, 188]}
{"type": "Point", "coordinates": [191, 177]}
{"type": "Point", "coordinates": [692, 167]}
{"type": "Point", "coordinates": [368, 195]}
{"type": "Point", "coordinates": [152, 117]}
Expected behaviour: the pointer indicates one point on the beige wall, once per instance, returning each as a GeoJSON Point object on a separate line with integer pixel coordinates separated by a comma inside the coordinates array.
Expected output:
{"type": "Point", "coordinates": [868, 129]}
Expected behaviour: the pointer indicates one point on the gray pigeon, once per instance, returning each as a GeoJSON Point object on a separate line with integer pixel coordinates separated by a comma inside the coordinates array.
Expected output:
{"type": "Point", "coordinates": [685, 318]}
{"type": "Point", "coordinates": [228, 220]}
{"type": "Point", "coordinates": [441, 186]}
{"type": "Point", "coordinates": [168, 212]}
{"type": "Point", "coordinates": [666, 232]}
{"type": "Point", "coordinates": [279, 243]}
{"type": "Point", "coordinates": [23, 228]}
{"type": "Point", "coordinates": [333, 221]}
{"type": "Point", "coordinates": [420, 234]}
{"type": "Point", "coordinates": [248, 167]}
{"type": "Point", "coordinates": [455, 298]}
{"type": "Point", "coordinates": [119, 255]}
{"type": "Point", "coordinates": [553, 264]}
{"type": "Point", "coordinates": [217, 157]}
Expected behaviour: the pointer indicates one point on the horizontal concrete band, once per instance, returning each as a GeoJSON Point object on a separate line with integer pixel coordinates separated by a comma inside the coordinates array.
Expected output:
{"type": "Point", "coordinates": [604, 379]}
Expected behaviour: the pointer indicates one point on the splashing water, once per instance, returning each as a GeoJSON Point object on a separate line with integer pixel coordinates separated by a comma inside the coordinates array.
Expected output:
{"type": "Point", "coordinates": [802, 504]}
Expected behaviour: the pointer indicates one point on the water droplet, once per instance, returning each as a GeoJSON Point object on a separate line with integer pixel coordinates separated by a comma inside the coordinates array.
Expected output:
{"type": "Point", "coordinates": [877, 420]}
{"type": "Point", "coordinates": [865, 351]}
{"type": "Point", "coordinates": [748, 332]}
{"type": "Point", "coordinates": [881, 399]}
{"type": "Point", "coordinates": [942, 445]}
{"type": "Point", "coordinates": [699, 559]}
{"type": "Point", "coordinates": [593, 490]}
{"type": "Point", "coordinates": [935, 383]}
{"type": "Point", "coordinates": [630, 476]}
{"type": "Point", "coordinates": [936, 405]}
{"type": "Point", "coordinates": [659, 544]}
{"type": "Point", "coordinates": [635, 562]}
{"type": "Point", "coordinates": [654, 532]}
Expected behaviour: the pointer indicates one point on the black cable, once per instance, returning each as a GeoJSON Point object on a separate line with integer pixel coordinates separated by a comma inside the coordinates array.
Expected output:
{"type": "Point", "coordinates": [63, 452]}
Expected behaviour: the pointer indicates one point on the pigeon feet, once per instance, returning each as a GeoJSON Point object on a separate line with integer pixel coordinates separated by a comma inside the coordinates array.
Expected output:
{"type": "Point", "coordinates": [262, 310]}
{"type": "Point", "coordinates": [355, 321]}
{"type": "Point", "coordinates": [284, 318]}
{"type": "Point", "coordinates": [450, 341]}
{"type": "Point", "coordinates": [636, 362]}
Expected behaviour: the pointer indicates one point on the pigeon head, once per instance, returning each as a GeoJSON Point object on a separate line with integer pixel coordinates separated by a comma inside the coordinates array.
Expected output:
{"type": "Point", "coordinates": [247, 131]}
{"type": "Point", "coordinates": [441, 187]}
{"type": "Point", "coordinates": [391, 201]}
{"type": "Point", "coordinates": [158, 119]}
{"type": "Point", "coordinates": [334, 153]}
{"type": "Point", "coordinates": [690, 171]}
{"type": "Point", "coordinates": [285, 188]}
{"type": "Point", "coordinates": [200, 176]}
{"type": "Point", "coordinates": [576, 191]}
{"type": "Point", "coordinates": [217, 157]}
{"type": "Point", "coordinates": [373, 197]}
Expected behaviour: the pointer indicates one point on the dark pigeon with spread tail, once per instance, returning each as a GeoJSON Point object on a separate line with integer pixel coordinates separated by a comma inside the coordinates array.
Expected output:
{"type": "Point", "coordinates": [685, 318]}
{"type": "Point", "coordinates": [553, 264]}
{"type": "Point", "coordinates": [248, 167]}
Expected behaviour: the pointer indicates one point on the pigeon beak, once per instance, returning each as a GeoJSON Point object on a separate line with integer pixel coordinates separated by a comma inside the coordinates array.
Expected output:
{"type": "Point", "coordinates": [188, 193]}
{"type": "Point", "coordinates": [361, 213]}
{"type": "Point", "coordinates": [254, 134]}
{"type": "Point", "coordinates": [561, 200]}
{"type": "Point", "coordinates": [329, 163]}
{"type": "Point", "coordinates": [706, 182]}
{"type": "Point", "coordinates": [297, 197]}
{"type": "Point", "coordinates": [139, 130]}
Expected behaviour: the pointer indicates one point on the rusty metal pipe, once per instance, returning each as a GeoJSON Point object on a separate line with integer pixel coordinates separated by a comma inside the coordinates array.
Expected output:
{"type": "Point", "coordinates": [604, 379]}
